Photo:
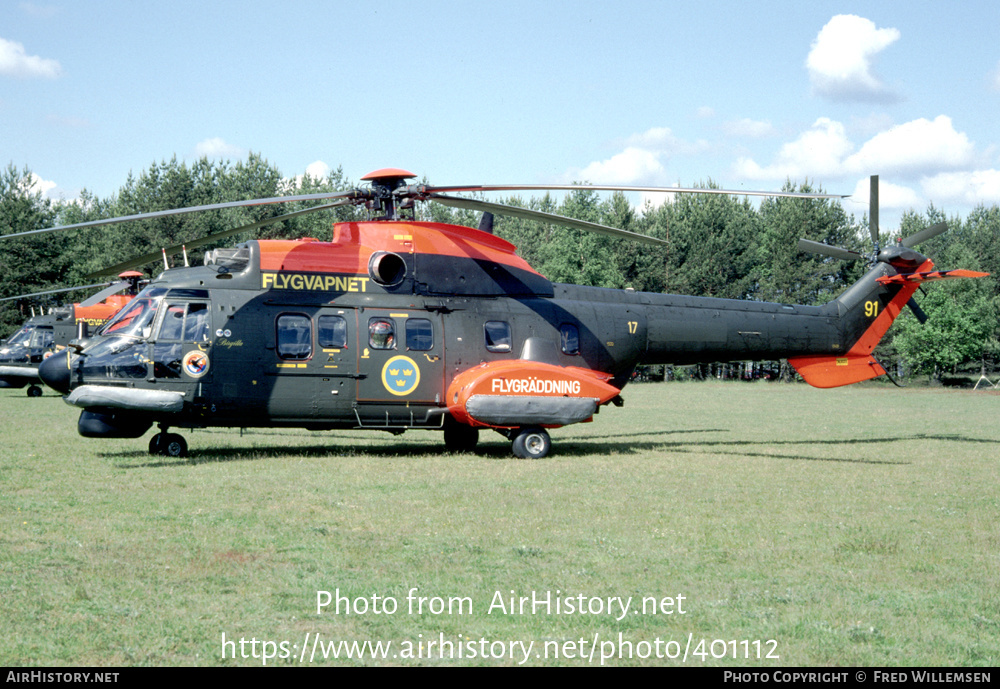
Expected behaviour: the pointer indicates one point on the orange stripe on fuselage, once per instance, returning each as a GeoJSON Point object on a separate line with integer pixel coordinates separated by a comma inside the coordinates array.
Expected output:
{"type": "Point", "coordinates": [354, 243]}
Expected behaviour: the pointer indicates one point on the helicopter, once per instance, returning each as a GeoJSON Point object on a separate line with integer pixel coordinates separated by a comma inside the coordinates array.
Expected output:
{"type": "Point", "coordinates": [43, 334]}
{"type": "Point", "coordinates": [397, 324]}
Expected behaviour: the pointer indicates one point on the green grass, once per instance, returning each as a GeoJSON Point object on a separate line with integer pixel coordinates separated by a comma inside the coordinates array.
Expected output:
{"type": "Point", "coordinates": [856, 526]}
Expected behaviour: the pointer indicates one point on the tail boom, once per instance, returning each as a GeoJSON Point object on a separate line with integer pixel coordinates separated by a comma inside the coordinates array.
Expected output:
{"type": "Point", "coordinates": [828, 371]}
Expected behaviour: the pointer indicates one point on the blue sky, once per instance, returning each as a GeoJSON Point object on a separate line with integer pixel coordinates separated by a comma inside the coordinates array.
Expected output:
{"type": "Point", "coordinates": [641, 93]}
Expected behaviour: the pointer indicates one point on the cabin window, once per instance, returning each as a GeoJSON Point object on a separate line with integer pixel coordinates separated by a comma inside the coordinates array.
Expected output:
{"type": "Point", "coordinates": [419, 335]}
{"type": "Point", "coordinates": [332, 331]}
{"type": "Point", "coordinates": [382, 333]}
{"type": "Point", "coordinates": [294, 337]}
{"type": "Point", "coordinates": [497, 336]}
{"type": "Point", "coordinates": [569, 336]}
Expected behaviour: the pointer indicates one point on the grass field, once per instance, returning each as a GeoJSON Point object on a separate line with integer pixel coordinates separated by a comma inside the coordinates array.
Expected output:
{"type": "Point", "coordinates": [856, 526]}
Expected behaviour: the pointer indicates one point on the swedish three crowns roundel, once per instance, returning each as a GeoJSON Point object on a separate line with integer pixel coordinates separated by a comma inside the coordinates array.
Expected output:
{"type": "Point", "coordinates": [400, 375]}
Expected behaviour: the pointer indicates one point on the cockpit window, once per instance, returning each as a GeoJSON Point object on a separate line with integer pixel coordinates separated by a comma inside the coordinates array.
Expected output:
{"type": "Point", "coordinates": [135, 320]}
{"type": "Point", "coordinates": [187, 322]}
{"type": "Point", "coordinates": [41, 338]}
{"type": "Point", "coordinates": [21, 337]}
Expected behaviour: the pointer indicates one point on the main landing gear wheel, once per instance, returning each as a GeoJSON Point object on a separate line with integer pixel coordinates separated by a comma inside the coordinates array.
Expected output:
{"type": "Point", "coordinates": [531, 443]}
{"type": "Point", "coordinates": [168, 445]}
{"type": "Point", "coordinates": [34, 391]}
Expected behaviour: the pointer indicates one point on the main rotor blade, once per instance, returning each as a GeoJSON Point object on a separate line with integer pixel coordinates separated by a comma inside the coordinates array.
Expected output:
{"type": "Point", "coordinates": [105, 293]}
{"type": "Point", "coordinates": [194, 244]}
{"type": "Point", "coordinates": [538, 216]}
{"type": "Point", "coordinates": [810, 246]}
{"type": "Point", "coordinates": [925, 234]}
{"type": "Point", "coordinates": [352, 195]}
{"type": "Point", "coordinates": [54, 291]}
{"type": "Point", "coordinates": [427, 189]}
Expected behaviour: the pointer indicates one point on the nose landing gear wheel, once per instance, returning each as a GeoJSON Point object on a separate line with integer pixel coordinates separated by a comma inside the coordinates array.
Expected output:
{"type": "Point", "coordinates": [168, 445]}
{"type": "Point", "coordinates": [531, 443]}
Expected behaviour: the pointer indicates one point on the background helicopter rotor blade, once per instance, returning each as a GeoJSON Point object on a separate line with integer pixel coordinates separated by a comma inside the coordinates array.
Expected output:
{"type": "Point", "coordinates": [105, 293]}
{"type": "Point", "coordinates": [538, 216]}
{"type": "Point", "coordinates": [925, 234]}
{"type": "Point", "coordinates": [810, 246]}
{"type": "Point", "coordinates": [194, 244]}
{"type": "Point", "coordinates": [352, 195]}
{"type": "Point", "coordinates": [54, 291]}
{"type": "Point", "coordinates": [422, 190]}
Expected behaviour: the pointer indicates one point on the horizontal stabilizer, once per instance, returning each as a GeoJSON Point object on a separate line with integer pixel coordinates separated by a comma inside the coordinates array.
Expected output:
{"type": "Point", "coordinates": [833, 371]}
{"type": "Point", "coordinates": [929, 276]}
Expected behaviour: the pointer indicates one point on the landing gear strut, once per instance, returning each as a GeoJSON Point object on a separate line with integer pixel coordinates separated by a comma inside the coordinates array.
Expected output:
{"type": "Point", "coordinates": [531, 443]}
{"type": "Point", "coordinates": [168, 444]}
{"type": "Point", "coordinates": [458, 437]}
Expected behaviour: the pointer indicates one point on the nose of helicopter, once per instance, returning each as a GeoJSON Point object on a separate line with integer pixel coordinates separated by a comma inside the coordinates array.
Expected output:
{"type": "Point", "coordinates": [54, 371]}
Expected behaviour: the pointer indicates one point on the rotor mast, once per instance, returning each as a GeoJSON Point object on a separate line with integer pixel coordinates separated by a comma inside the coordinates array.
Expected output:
{"type": "Point", "coordinates": [384, 184]}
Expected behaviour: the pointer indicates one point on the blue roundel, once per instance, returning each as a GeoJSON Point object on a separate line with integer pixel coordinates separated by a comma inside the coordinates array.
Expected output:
{"type": "Point", "coordinates": [400, 375]}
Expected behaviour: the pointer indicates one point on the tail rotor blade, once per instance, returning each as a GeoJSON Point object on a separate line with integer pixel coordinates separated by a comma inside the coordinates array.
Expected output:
{"type": "Point", "coordinates": [873, 210]}
{"type": "Point", "coordinates": [917, 311]}
{"type": "Point", "coordinates": [809, 246]}
{"type": "Point", "coordinates": [925, 234]}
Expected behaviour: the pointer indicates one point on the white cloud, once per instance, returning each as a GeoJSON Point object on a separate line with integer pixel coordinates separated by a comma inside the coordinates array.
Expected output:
{"type": "Point", "coordinates": [15, 62]}
{"type": "Point", "coordinates": [820, 151]}
{"type": "Point", "coordinates": [705, 112]}
{"type": "Point", "coordinates": [995, 78]}
{"type": "Point", "coordinates": [631, 166]}
{"type": "Point", "coordinates": [217, 148]}
{"type": "Point", "coordinates": [972, 187]}
{"type": "Point", "coordinates": [916, 147]}
{"type": "Point", "coordinates": [41, 185]}
{"type": "Point", "coordinates": [318, 170]}
{"type": "Point", "coordinates": [840, 61]}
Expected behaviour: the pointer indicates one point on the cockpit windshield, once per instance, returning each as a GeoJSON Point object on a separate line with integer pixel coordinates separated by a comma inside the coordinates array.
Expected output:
{"type": "Point", "coordinates": [21, 337]}
{"type": "Point", "coordinates": [136, 319]}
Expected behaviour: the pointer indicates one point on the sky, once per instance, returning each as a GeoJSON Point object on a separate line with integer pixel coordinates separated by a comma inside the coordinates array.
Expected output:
{"type": "Point", "coordinates": [745, 95]}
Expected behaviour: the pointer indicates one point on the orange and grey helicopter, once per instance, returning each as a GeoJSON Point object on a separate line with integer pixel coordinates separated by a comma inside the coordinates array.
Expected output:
{"type": "Point", "coordinates": [396, 324]}
{"type": "Point", "coordinates": [45, 333]}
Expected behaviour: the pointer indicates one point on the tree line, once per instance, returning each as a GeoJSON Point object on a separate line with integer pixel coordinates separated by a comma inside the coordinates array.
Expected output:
{"type": "Point", "coordinates": [715, 245]}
